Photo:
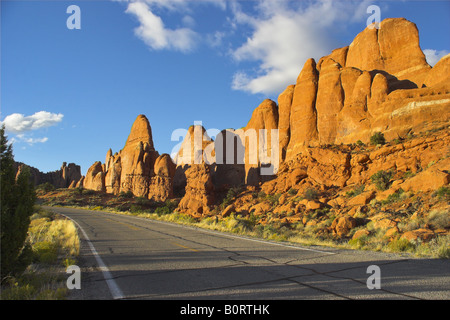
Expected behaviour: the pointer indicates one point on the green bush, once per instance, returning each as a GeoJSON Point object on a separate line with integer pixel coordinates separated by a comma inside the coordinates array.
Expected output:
{"type": "Point", "coordinates": [168, 208]}
{"type": "Point", "coordinates": [358, 190]}
{"type": "Point", "coordinates": [382, 179]}
{"type": "Point", "coordinates": [401, 245]}
{"type": "Point", "coordinates": [45, 252]}
{"type": "Point", "coordinates": [311, 194]}
{"type": "Point", "coordinates": [135, 208]}
{"type": "Point", "coordinates": [377, 138]}
{"type": "Point", "coordinates": [443, 193]}
{"type": "Point", "coordinates": [126, 195]}
{"type": "Point", "coordinates": [230, 196]}
{"type": "Point", "coordinates": [46, 187]}
{"type": "Point", "coordinates": [396, 196]}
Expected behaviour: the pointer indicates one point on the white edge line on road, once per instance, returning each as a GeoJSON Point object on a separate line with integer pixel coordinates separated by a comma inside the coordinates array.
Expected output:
{"type": "Point", "coordinates": [113, 287]}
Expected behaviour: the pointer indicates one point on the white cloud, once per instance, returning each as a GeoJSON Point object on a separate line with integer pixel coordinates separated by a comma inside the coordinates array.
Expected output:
{"type": "Point", "coordinates": [153, 31]}
{"type": "Point", "coordinates": [433, 56]}
{"type": "Point", "coordinates": [18, 123]}
{"type": "Point", "coordinates": [284, 35]}
{"type": "Point", "coordinates": [22, 138]}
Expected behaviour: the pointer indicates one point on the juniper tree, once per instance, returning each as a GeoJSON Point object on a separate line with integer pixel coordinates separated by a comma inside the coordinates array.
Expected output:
{"type": "Point", "coordinates": [17, 201]}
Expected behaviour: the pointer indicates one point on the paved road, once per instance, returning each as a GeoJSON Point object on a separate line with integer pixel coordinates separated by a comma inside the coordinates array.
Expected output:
{"type": "Point", "coordinates": [126, 257]}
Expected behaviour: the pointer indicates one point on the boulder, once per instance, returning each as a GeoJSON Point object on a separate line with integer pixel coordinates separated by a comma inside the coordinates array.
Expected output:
{"type": "Point", "coordinates": [422, 234]}
{"type": "Point", "coordinates": [428, 180]}
{"type": "Point", "coordinates": [343, 224]}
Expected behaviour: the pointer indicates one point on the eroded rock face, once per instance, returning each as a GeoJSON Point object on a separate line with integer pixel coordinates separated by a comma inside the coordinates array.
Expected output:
{"type": "Point", "coordinates": [440, 73]}
{"type": "Point", "coordinates": [95, 177]}
{"type": "Point", "coordinates": [261, 147]}
{"type": "Point", "coordinates": [161, 184]}
{"type": "Point", "coordinates": [381, 82]}
{"type": "Point", "coordinates": [138, 158]}
{"type": "Point", "coordinates": [199, 195]}
{"type": "Point", "coordinates": [394, 48]}
{"type": "Point", "coordinates": [62, 178]}
{"type": "Point", "coordinates": [303, 120]}
{"type": "Point", "coordinates": [137, 167]}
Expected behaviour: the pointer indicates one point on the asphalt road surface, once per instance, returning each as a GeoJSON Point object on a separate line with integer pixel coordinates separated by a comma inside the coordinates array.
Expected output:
{"type": "Point", "coordinates": [126, 257]}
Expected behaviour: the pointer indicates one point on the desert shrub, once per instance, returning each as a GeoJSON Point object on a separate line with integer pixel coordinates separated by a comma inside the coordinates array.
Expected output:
{"type": "Point", "coordinates": [377, 138]}
{"type": "Point", "coordinates": [382, 179]}
{"type": "Point", "coordinates": [439, 219]}
{"type": "Point", "coordinates": [126, 195]}
{"type": "Point", "coordinates": [45, 252]}
{"type": "Point", "coordinates": [442, 245]}
{"type": "Point", "coordinates": [311, 194]}
{"type": "Point", "coordinates": [87, 192]}
{"type": "Point", "coordinates": [360, 143]}
{"type": "Point", "coordinates": [408, 174]}
{"type": "Point", "coordinates": [396, 196]}
{"type": "Point", "coordinates": [46, 187]}
{"type": "Point", "coordinates": [141, 201]}
{"type": "Point", "coordinates": [135, 208]}
{"type": "Point", "coordinates": [443, 193]}
{"type": "Point", "coordinates": [401, 245]}
{"type": "Point", "coordinates": [358, 190]}
{"type": "Point", "coordinates": [273, 198]}
{"type": "Point", "coordinates": [357, 243]}
{"type": "Point", "coordinates": [168, 208]}
{"type": "Point", "coordinates": [230, 196]}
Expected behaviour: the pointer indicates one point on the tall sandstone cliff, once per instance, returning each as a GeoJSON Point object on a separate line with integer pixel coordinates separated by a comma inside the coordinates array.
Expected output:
{"type": "Point", "coordinates": [380, 82]}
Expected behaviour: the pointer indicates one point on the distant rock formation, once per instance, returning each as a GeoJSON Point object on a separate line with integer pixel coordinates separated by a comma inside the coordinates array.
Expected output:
{"type": "Point", "coordinates": [62, 178]}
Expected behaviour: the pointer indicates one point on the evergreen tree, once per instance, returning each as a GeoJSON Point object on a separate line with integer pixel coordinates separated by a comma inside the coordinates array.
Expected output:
{"type": "Point", "coordinates": [17, 201]}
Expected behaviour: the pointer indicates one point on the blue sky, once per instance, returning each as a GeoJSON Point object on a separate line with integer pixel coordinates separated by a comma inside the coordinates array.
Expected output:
{"type": "Point", "coordinates": [71, 94]}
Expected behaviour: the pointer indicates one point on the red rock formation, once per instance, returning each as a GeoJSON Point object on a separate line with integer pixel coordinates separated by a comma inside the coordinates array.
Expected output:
{"type": "Point", "coordinates": [199, 195]}
{"type": "Point", "coordinates": [95, 177]}
{"type": "Point", "coordinates": [161, 184]}
{"type": "Point", "coordinates": [259, 147]}
{"type": "Point", "coordinates": [62, 178]}
{"type": "Point", "coordinates": [375, 84]}
{"type": "Point", "coordinates": [137, 167]}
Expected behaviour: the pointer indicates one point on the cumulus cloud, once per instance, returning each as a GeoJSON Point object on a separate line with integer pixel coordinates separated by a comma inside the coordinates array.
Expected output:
{"type": "Point", "coordinates": [284, 35]}
{"type": "Point", "coordinates": [433, 56]}
{"type": "Point", "coordinates": [153, 31]}
{"type": "Point", "coordinates": [18, 123]}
